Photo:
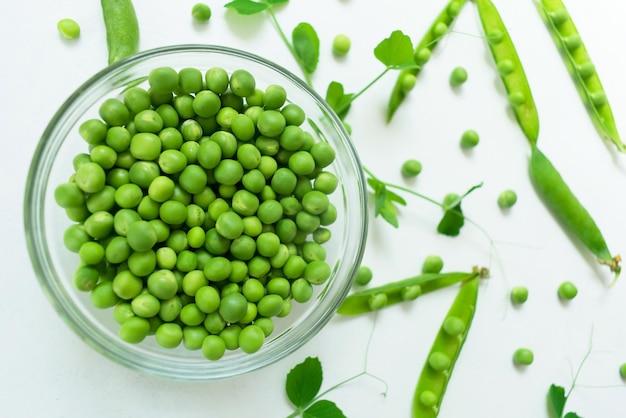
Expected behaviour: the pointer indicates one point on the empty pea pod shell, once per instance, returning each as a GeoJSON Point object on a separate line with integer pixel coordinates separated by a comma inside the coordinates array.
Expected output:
{"type": "Point", "coordinates": [435, 375]}
{"type": "Point", "coordinates": [396, 292]}
{"type": "Point", "coordinates": [422, 51]}
{"type": "Point", "coordinates": [568, 210]}
{"type": "Point", "coordinates": [577, 60]}
{"type": "Point", "coordinates": [510, 69]}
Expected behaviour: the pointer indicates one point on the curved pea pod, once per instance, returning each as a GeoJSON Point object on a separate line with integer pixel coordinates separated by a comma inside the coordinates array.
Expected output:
{"type": "Point", "coordinates": [510, 69]}
{"type": "Point", "coordinates": [404, 290]}
{"type": "Point", "coordinates": [580, 67]}
{"type": "Point", "coordinates": [423, 50]}
{"type": "Point", "coordinates": [122, 28]}
{"type": "Point", "coordinates": [568, 210]}
{"type": "Point", "coordinates": [437, 370]}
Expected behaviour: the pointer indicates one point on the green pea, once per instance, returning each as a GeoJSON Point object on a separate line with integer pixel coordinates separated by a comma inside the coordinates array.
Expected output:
{"type": "Point", "coordinates": [301, 290]}
{"type": "Point", "coordinates": [99, 224]}
{"type": "Point", "coordinates": [242, 83]}
{"type": "Point", "coordinates": [270, 305]}
{"type": "Point", "coordinates": [248, 156]}
{"type": "Point", "coordinates": [458, 76]}
{"type": "Point", "coordinates": [301, 163]}
{"type": "Point", "coordinates": [141, 236]}
{"type": "Point", "coordinates": [170, 308]}
{"type": "Point", "coordinates": [137, 99]}
{"type": "Point", "coordinates": [142, 173]}
{"type": "Point", "coordinates": [177, 241]}
{"type": "Point", "coordinates": [453, 326]}
{"type": "Point", "coordinates": [622, 371]}
{"type": "Point", "coordinates": [274, 97]}
{"type": "Point", "coordinates": [122, 312]}
{"type": "Point", "coordinates": [233, 307]}
{"type": "Point", "coordinates": [217, 244]}
{"type": "Point", "coordinates": [567, 290]}
{"type": "Point", "coordinates": [93, 131]}
{"type": "Point", "coordinates": [267, 166]}
{"type": "Point", "coordinates": [75, 236]}
{"type": "Point", "coordinates": [469, 139]}
{"type": "Point", "coordinates": [317, 272]}
{"type": "Point", "coordinates": [213, 347]}
{"type": "Point", "coordinates": [505, 67]}
{"type": "Point", "coordinates": [193, 337]}
{"type": "Point", "coordinates": [253, 181]}
{"type": "Point", "coordinates": [134, 330]}
{"type": "Point", "coordinates": [323, 153]}
{"type": "Point", "coordinates": [145, 305]}
{"type": "Point", "coordinates": [523, 357]}
{"type": "Point", "coordinates": [439, 361]}
{"type": "Point", "coordinates": [253, 290]}
{"type": "Point", "coordinates": [428, 399]}
{"type": "Point", "coordinates": [407, 82]}
{"type": "Point", "coordinates": [90, 177]}
{"type": "Point", "coordinates": [114, 112]}
{"type": "Point", "coordinates": [68, 28]}
{"type": "Point", "coordinates": [169, 335]}
{"type": "Point", "coordinates": [258, 267]}
{"type": "Point", "coordinates": [517, 98]}
{"type": "Point", "coordinates": [377, 301]}
{"type": "Point", "coordinates": [162, 284]}
{"type": "Point", "coordinates": [341, 45]}
{"type": "Point", "coordinates": [148, 209]}
{"type": "Point", "coordinates": [163, 80]}
{"type": "Point", "coordinates": [85, 278]}
{"type": "Point", "coordinates": [173, 212]}
{"type": "Point", "coordinates": [507, 199]}
{"type": "Point", "coordinates": [229, 225]}
{"type": "Point", "coordinates": [363, 276]}
{"type": "Point", "coordinates": [422, 56]}
{"type": "Point", "coordinates": [271, 123]}
{"type": "Point", "coordinates": [326, 182]}
{"type": "Point", "coordinates": [251, 339]}
{"type": "Point", "coordinates": [293, 114]}
{"type": "Point", "coordinates": [216, 80]}
{"type": "Point", "coordinates": [191, 315]}
{"type": "Point", "coordinates": [230, 335]}
{"type": "Point", "coordinates": [432, 264]}
{"type": "Point", "coordinates": [519, 295]}
{"type": "Point", "coordinates": [228, 172]}
{"type": "Point", "coordinates": [91, 253]}
{"type": "Point", "coordinates": [142, 263]}
{"type": "Point", "coordinates": [411, 292]}
{"type": "Point", "coordinates": [69, 195]}
{"type": "Point", "coordinates": [217, 269]}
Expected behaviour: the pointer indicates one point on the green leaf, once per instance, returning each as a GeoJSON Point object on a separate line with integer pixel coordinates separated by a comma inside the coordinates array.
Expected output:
{"type": "Point", "coordinates": [246, 7]}
{"type": "Point", "coordinates": [396, 51]}
{"type": "Point", "coordinates": [556, 401]}
{"type": "Point", "coordinates": [452, 221]}
{"type": "Point", "coordinates": [323, 409]}
{"type": "Point", "coordinates": [389, 213]}
{"type": "Point", "coordinates": [306, 45]}
{"type": "Point", "coordinates": [304, 382]}
{"type": "Point", "coordinates": [572, 415]}
{"type": "Point", "coordinates": [337, 99]}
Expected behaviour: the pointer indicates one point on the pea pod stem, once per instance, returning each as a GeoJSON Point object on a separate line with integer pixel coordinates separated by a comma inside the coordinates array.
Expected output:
{"type": "Point", "coordinates": [433, 381]}
{"type": "Point", "coordinates": [428, 42]}
{"type": "Point", "coordinates": [510, 69]}
{"type": "Point", "coordinates": [577, 60]}
{"type": "Point", "coordinates": [122, 28]}
{"type": "Point", "coordinates": [566, 207]}
{"type": "Point", "coordinates": [360, 302]}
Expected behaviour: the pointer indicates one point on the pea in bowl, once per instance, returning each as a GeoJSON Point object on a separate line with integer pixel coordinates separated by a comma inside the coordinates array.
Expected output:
{"type": "Point", "coordinates": [195, 212]}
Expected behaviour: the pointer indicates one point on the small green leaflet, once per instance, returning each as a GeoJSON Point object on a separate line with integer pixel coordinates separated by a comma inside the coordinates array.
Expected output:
{"type": "Point", "coordinates": [556, 403]}
{"type": "Point", "coordinates": [453, 218]}
{"type": "Point", "coordinates": [306, 45]}
{"type": "Point", "coordinates": [249, 7]}
{"type": "Point", "coordinates": [337, 99]}
{"type": "Point", "coordinates": [323, 409]}
{"type": "Point", "coordinates": [396, 52]}
{"type": "Point", "coordinates": [384, 202]}
{"type": "Point", "coordinates": [304, 382]}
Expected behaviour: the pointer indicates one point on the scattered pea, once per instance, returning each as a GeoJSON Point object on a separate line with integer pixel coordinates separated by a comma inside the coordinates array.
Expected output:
{"type": "Point", "coordinates": [519, 295]}
{"type": "Point", "coordinates": [523, 357]}
{"type": "Point", "coordinates": [567, 290]}
{"type": "Point", "coordinates": [411, 168]}
{"type": "Point", "coordinates": [458, 76]}
{"type": "Point", "coordinates": [469, 139]}
{"type": "Point", "coordinates": [507, 199]}
{"type": "Point", "coordinates": [622, 371]}
{"type": "Point", "coordinates": [432, 264]}
{"type": "Point", "coordinates": [363, 276]}
{"type": "Point", "coordinates": [201, 12]}
{"type": "Point", "coordinates": [341, 45]}
{"type": "Point", "coordinates": [68, 28]}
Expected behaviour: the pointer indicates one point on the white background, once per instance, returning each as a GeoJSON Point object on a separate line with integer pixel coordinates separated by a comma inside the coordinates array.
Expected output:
{"type": "Point", "coordinates": [46, 370]}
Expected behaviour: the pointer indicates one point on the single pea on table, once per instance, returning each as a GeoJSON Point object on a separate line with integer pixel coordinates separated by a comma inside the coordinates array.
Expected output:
{"type": "Point", "coordinates": [201, 210]}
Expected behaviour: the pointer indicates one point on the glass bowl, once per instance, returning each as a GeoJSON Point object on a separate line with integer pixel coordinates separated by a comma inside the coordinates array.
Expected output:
{"type": "Point", "coordinates": [54, 264]}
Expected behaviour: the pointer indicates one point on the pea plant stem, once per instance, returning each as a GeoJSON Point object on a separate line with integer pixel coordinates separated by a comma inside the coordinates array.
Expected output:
{"type": "Point", "coordinates": [363, 90]}
{"type": "Point", "coordinates": [283, 36]}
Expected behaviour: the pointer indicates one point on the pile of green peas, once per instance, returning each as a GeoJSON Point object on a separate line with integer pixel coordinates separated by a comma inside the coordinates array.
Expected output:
{"type": "Point", "coordinates": [200, 211]}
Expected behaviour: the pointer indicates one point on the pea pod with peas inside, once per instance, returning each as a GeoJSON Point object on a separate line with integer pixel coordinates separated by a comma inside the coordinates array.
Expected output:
{"type": "Point", "coordinates": [510, 69]}
{"type": "Point", "coordinates": [437, 370]}
{"type": "Point", "coordinates": [582, 70]}
{"type": "Point", "coordinates": [400, 291]}
{"type": "Point", "coordinates": [568, 209]}
{"type": "Point", "coordinates": [423, 50]}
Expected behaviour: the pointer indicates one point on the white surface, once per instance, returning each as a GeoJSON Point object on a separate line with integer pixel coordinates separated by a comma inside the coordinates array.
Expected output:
{"type": "Point", "coordinates": [46, 370]}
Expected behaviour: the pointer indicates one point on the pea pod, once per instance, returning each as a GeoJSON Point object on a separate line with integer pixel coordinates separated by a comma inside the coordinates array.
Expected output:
{"type": "Point", "coordinates": [568, 209]}
{"type": "Point", "coordinates": [400, 291]}
{"type": "Point", "coordinates": [510, 69]}
{"type": "Point", "coordinates": [122, 29]}
{"type": "Point", "coordinates": [445, 351]}
{"type": "Point", "coordinates": [582, 70]}
{"type": "Point", "coordinates": [422, 52]}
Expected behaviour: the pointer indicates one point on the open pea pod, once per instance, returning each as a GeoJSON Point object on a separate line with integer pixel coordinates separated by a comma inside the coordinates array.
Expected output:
{"type": "Point", "coordinates": [427, 44]}
{"type": "Point", "coordinates": [568, 210]}
{"type": "Point", "coordinates": [400, 291]}
{"type": "Point", "coordinates": [437, 370]}
{"type": "Point", "coordinates": [577, 60]}
{"type": "Point", "coordinates": [510, 69]}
